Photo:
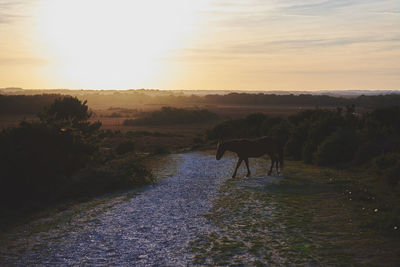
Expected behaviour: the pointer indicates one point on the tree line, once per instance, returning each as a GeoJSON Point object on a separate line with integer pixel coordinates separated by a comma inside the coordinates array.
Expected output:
{"type": "Point", "coordinates": [31, 104]}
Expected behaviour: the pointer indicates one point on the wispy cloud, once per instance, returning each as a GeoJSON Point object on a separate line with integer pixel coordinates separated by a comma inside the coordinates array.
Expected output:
{"type": "Point", "coordinates": [257, 13]}
{"type": "Point", "coordinates": [21, 61]}
{"type": "Point", "coordinates": [320, 7]}
{"type": "Point", "coordinates": [10, 11]}
{"type": "Point", "coordinates": [288, 46]}
{"type": "Point", "coordinates": [296, 44]}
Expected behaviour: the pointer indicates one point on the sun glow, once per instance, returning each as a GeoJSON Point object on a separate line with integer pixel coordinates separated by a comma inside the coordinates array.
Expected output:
{"type": "Point", "coordinates": [113, 44]}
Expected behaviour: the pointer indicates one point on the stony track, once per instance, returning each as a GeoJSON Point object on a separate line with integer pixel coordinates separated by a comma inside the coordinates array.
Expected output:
{"type": "Point", "coordinates": [152, 228]}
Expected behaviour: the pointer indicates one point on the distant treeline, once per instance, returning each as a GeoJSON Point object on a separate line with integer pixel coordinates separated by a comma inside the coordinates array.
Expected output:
{"type": "Point", "coordinates": [25, 104]}
{"type": "Point", "coordinates": [129, 98]}
{"type": "Point", "coordinates": [303, 100]}
{"type": "Point", "coordinates": [21, 104]}
{"type": "Point", "coordinates": [170, 115]}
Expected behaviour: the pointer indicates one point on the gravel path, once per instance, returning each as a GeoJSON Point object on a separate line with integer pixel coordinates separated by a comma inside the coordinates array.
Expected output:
{"type": "Point", "coordinates": [153, 228]}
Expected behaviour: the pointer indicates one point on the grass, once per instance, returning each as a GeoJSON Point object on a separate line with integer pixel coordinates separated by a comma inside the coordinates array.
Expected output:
{"type": "Point", "coordinates": [307, 217]}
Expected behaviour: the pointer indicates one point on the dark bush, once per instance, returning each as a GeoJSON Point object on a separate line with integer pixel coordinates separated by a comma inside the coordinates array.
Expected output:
{"type": "Point", "coordinates": [366, 152]}
{"type": "Point", "coordinates": [58, 158]}
{"type": "Point", "coordinates": [116, 174]}
{"type": "Point", "coordinates": [255, 118]}
{"type": "Point", "coordinates": [253, 125]}
{"type": "Point", "coordinates": [37, 158]}
{"type": "Point", "coordinates": [160, 149]}
{"type": "Point", "coordinates": [67, 110]}
{"type": "Point", "coordinates": [296, 141]}
{"type": "Point", "coordinates": [137, 133]}
{"type": "Point", "coordinates": [225, 129]}
{"type": "Point", "coordinates": [388, 165]}
{"type": "Point", "coordinates": [125, 147]}
{"type": "Point", "coordinates": [308, 151]}
{"type": "Point", "coordinates": [115, 115]}
{"type": "Point", "coordinates": [268, 124]}
{"type": "Point", "coordinates": [198, 140]}
{"type": "Point", "coordinates": [338, 148]}
{"type": "Point", "coordinates": [280, 130]}
{"type": "Point", "coordinates": [169, 115]}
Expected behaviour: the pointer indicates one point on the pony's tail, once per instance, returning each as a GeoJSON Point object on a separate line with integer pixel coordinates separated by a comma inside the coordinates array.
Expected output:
{"type": "Point", "coordinates": [281, 157]}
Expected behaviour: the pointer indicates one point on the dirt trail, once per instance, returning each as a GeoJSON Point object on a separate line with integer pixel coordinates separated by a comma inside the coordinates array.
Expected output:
{"type": "Point", "coordinates": [154, 227]}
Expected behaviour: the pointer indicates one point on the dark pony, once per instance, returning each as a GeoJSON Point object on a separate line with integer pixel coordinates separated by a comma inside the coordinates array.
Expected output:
{"type": "Point", "coordinates": [245, 149]}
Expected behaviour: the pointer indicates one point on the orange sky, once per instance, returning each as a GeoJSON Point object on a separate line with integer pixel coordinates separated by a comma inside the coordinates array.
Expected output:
{"type": "Point", "coordinates": [202, 44]}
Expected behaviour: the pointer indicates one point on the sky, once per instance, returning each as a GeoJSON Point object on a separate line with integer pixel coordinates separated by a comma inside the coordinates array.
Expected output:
{"type": "Point", "coordinates": [202, 44]}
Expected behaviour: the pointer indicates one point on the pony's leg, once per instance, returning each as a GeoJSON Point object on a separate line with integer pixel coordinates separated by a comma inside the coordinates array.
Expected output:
{"type": "Point", "coordinates": [272, 165]}
{"type": "Point", "coordinates": [246, 160]}
{"type": "Point", "coordinates": [237, 166]}
{"type": "Point", "coordinates": [276, 163]}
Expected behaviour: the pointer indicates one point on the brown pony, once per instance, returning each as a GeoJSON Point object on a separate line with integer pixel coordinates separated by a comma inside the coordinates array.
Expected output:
{"type": "Point", "coordinates": [245, 149]}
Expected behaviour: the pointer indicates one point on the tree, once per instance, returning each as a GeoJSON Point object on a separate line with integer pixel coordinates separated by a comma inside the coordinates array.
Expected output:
{"type": "Point", "coordinates": [70, 114]}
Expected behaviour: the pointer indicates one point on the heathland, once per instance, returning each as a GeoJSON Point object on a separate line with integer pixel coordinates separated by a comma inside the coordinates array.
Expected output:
{"type": "Point", "coordinates": [59, 148]}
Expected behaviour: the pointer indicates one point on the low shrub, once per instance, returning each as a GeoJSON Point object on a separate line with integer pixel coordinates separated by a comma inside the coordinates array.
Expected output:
{"type": "Point", "coordinates": [388, 166]}
{"type": "Point", "coordinates": [58, 158]}
{"type": "Point", "coordinates": [160, 149]}
{"type": "Point", "coordinates": [169, 115]}
{"type": "Point", "coordinates": [126, 146]}
{"type": "Point", "coordinates": [116, 174]}
{"type": "Point", "coordinates": [337, 148]}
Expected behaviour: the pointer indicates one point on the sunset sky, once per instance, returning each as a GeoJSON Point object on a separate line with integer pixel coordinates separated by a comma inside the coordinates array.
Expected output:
{"type": "Point", "coordinates": [202, 44]}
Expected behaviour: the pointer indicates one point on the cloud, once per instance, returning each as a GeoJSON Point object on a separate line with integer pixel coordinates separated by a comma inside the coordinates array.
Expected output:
{"type": "Point", "coordinates": [8, 18]}
{"type": "Point", "coordinates": [10, 11]}
{"type": "Point", "coordinates": [257, 13]}
{"type": "Point", "coordinates": [389, 12]}
{"type": "Point", "coordinates": [232, 51]}
{"type": "Point", "coordinates": [21, 61]}
{"type": "Point", "coordinates": [319, 7]}
{"type": "Point", "coordinates": [296, 44]}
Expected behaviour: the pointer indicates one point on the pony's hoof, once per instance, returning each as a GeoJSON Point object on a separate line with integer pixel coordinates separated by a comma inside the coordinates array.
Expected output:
{"type": "Point", "coordinates": [248, 175]}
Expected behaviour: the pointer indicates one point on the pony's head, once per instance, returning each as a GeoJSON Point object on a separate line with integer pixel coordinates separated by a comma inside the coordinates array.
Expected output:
{"type": "Point", "coordinates": [220, 149]}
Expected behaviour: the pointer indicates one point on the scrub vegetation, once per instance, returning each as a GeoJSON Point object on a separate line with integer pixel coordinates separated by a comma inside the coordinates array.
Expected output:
{"type": "Point", "coordinates": [62, 157]}
{"type": "Point", "coordinates": [170, 115]}
{"type": "Point", "coordinates": [335, 204]}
